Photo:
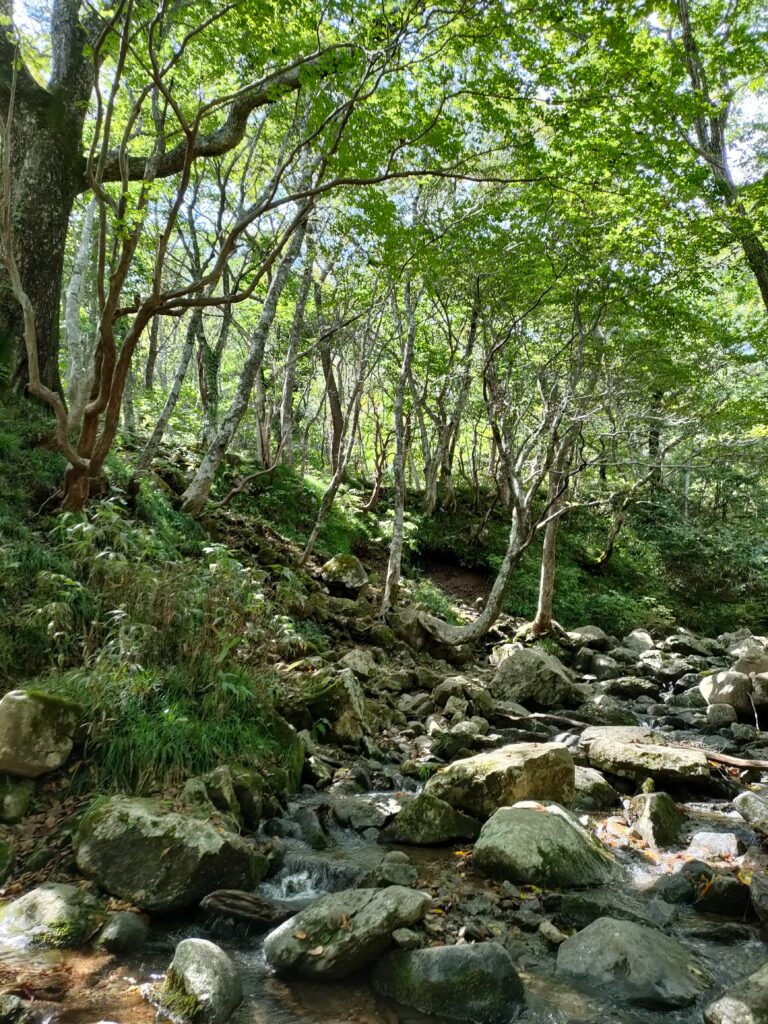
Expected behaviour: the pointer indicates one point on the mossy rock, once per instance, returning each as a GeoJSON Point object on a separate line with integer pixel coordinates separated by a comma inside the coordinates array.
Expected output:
{"type": "Point", "coordinates": [55, 915]}
{"type": "Point", "coordinates": [142, 851]}
{"type": "Point", "coordinates": [15, 797]}
{"type": "Point", "coordinates": [474, 983]}
{"type": "Point", "coordinates": [36, 732]}
{"type": "Point", "coordinates": [346, 571]}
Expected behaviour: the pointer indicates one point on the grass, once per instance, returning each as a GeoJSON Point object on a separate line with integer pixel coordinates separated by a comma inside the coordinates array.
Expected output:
{"type": "Point", "coordinates": [148, 730]}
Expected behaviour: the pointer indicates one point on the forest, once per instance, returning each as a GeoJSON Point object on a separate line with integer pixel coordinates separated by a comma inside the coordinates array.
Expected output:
{"type": "Point", "coordinates": [383, 544]}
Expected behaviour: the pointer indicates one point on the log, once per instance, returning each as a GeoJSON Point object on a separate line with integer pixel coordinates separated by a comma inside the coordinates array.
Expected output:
{"type": "Point", "coordinates": [246, 906]}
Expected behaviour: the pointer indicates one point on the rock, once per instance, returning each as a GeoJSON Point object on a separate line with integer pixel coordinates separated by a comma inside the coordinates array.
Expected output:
{"type": "Point", "coordinates": [161, 861]}
{"type": "Point", "coordinates": [721, 715]}
{"type": "Point", "coordinates": [18, 1011]}
{"type": "Point", "coordinates": [754, 810]}
{"type": "Point", "coordinates": [312, 831]}
{"type": "Point", "coordinates": [758, 891]}
{"type": "Point", "coordinates": [732, 688]}
{"type": "Point", "coordinates": [578, 909]}
{"type": "Point", "coordinates": [406, 938]}
{"type": "Point", "coordinates": [349, 726]}
{"type": "Point", "coordinates": [742, 732]}
{"type": "Point", "coordinates": [544, 845]}
{"type": "Point", "coordinates": [592, 791]}
{"type": "Point", "coordinates": [532, 677]}
{"type": "Point", "coordinates": [61, 916]}
{"type": "Point", "coordinates": [220, 787]}
{"type": "Point", "coordinates": [36, 732]}
{"type": "Point", "coordinates": [641, 965]}
{"type": "Point", "coordinates": [639, 640]}
{"type": "Point", "coordinates": [590, 636]}
{"type": "Point", "coordinates": [429, 821]}
{"type": "Point", "coordinates": [360, 661]}
{"type": "Point", "coordinates": [202, 984]}
{"type": "Point", "coordinates": [474, 983]}
{"type": "Point", "coordinates": [15, 797]}
{"type": "Point", "coordinates": [631, 687]}
{"type": "Point", "coordinates": [716, 845]}
{"type": "Point", "coordinates": [712, 892]}
{"type": "Point", "coordinates": [345, 571]}
{"type": "Point", "coordinates": [605, 667]}
{"type": "Point", "coordinates": [659, 820]}
{"type": "Point", "coordinates": [753, 662]}
{"type": "Point", "coordinates": [605, 710]}
{"type": "Point", "coordinates": [686, 643]}
{"type": "Point", "coordinates": [745, 1003]}
{"type": "Point", "coordinates": [407, 626]}
{"type": "Point", "coordinates": [249, 790]}
{"type": "Point", "coordinates": [342, 932]}
{"type": "Point", "coordinates": [123, 933]}
{"type": "Point", "coordinates": [361, 812]}
{"type": "Point", "coordinates": [624, 751]}
{"type": "Point", "coordinates": [551, 933]}
{"type": "Point", "coordinates": [391, 871]}
{"type": "Point", "coordinates": [481, 784]}
{"type": "Point", "coordinates": [668, 668]}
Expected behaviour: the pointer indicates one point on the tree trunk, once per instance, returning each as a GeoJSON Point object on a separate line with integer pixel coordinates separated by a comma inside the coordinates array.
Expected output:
{"type": "Point", "coordinates": [129, 409]}
{"type": "Point", "coordinates": [519, 539]}
{"type": "Point", "coordinates": [199, 488]}
{"type": "Point", "coordinates": [78, 348]}
{"type": "Point", "coordinates": [150, 448]}
{"type": "Point", "coordinates": [542, 622]}
{"type": "Point", "coordinates": [289, 380]}
{"type": "Point", "coordinates": [398, 469]}
{"type": "Point", "coordinates": [45, 161]}
{"type": "Point", "coordinates": [149, 368]}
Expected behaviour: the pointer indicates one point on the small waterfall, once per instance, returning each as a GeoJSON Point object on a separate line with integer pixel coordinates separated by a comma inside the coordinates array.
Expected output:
{"type": "Point", "coordinates": [304, 877]}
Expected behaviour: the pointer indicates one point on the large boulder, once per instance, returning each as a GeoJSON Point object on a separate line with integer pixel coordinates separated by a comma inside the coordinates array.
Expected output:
{"type": "Point", "coordinates": [639, 641]}
{"type": "Point", "coordinates": [202, 984]}
{"type": "Point", "coordinates": [159, 860]}
{"type": "Point", "coordinates": [346, 572]}
{"type": "Point", "coordinates": [36, 732]}
{"type": "Point", "coordinates": [481, 784]}
{"type": "Point", "coordinates": [533, 678]}
{"type": "Point", "coordinates": [732, 688]}
{"type": "Point", "coordinates": [55, 915]}
{"type": "Point", "coordinates": [342, 932]}
{"type": "Point", "coordinates": [429, 821]}
{"type": "Point", "coordinates": [745, 1003]}
{"type": "Point", "coordinates": [639, 964]}
{"type": "Point", "coordinates": [590, 636]}
{"type": "Point", "coordinates": [635, 753]}
{"type": "Point", "coordinates": [544, 845]}
{"type": "Point", "coordinates": [469, 983]}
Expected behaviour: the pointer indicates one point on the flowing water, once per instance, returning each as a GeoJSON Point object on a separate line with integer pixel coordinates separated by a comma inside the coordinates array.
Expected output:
{"type": "Point", "coordinates": [109, 989]}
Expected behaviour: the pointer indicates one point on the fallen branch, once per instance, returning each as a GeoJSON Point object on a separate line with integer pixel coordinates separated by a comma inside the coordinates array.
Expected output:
{"type": "Point", "coordinates": [253, 476]}
{"type": "Point", "coordinates": [543, 717]}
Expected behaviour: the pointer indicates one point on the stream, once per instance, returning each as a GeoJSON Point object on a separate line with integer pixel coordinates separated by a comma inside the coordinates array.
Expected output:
{"type": "Point", "coordinates": [110, 988]}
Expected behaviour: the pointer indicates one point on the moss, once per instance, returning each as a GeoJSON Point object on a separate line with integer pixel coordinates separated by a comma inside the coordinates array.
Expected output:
{"type": "Point", "coordinates": [53, 702]}
{"type": "Point", "coordinates": [176, 1002]}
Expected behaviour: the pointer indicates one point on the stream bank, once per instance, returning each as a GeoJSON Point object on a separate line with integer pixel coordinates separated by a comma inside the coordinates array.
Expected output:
{"type": "Point", "coordinates": [579, 746]}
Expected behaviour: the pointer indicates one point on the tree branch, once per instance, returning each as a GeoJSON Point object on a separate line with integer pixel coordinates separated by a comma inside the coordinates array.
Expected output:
{"type": "Point", "coordinates": [229, 134]}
